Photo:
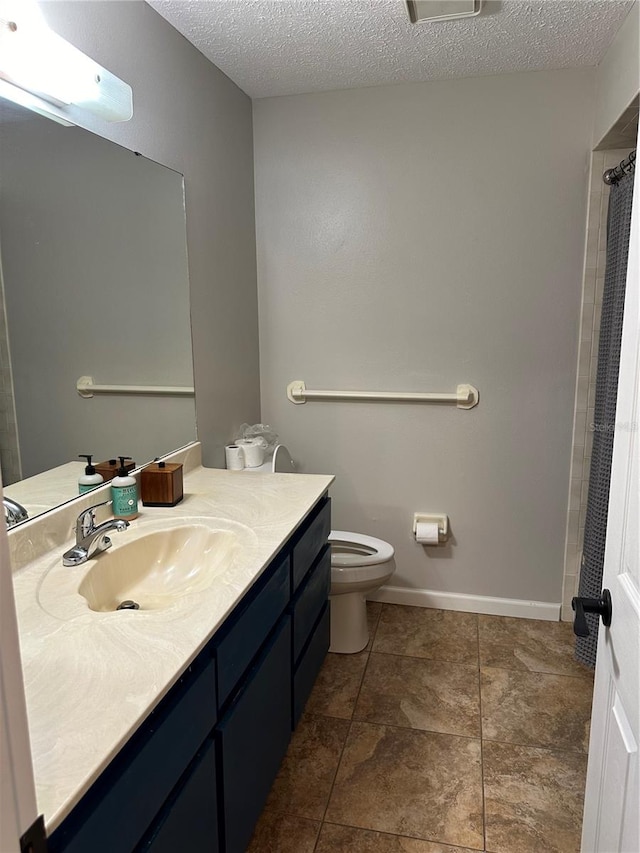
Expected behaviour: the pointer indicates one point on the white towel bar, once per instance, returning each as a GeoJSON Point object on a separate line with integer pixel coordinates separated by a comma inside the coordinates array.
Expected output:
{"type": "Point", "coordinates": [465, 396]}
{"type": "Point", "coordinates": [86, 388]}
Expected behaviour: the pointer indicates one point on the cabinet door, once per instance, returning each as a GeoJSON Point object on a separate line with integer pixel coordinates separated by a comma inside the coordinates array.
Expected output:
{"type": "Point", "coordinates": [310, 542]}
{"type": "Point", "coordinates": [189, 820]}
{"type": "Point", "coordinates": [121, 805]}
{"type": "Point", "coordinates": [253, 737]}
{"type": "Point", "coordinates": [309, 600]}
{"type": "Point", "coordinates": [250, 624]}
{"type": "Point", "coordinates": [310, 663]}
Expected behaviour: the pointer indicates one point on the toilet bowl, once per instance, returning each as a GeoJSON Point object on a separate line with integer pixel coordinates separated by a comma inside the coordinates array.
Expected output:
{"type": "Point", "coordinates": [359, 565]}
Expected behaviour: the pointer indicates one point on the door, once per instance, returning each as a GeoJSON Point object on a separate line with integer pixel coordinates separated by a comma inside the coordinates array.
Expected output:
{"type": "Point", "coordinates": [611, 822]}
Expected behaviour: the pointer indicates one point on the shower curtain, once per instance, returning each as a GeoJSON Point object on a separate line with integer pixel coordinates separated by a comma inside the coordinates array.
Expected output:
{"type": "Point", "coordinates": [618, 230]}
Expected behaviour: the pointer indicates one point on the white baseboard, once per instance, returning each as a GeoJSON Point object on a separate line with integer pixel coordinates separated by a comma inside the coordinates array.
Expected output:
{"type": "Point", "coordinates": [521, 608]}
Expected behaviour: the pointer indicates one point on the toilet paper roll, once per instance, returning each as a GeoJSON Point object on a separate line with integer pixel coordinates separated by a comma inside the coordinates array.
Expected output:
{"type": "Point", "coordinates": [253, 450]}
{"type": "Point", "coordinates": [235, 457]}
{"type": "Point", "coordinates": [427, 533]}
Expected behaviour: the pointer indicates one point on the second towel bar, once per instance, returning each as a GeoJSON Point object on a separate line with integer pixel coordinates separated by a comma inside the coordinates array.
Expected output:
{"type": "Point", "coordinates": [86, 388]}
{"type": "Point", "coordinates": [465, 396]}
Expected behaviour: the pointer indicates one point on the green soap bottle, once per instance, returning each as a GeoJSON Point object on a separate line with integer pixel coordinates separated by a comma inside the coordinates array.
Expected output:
{"type": "Point", "coordinates": [124, 493]}
{"type": "Point", "coordinates": [90, 479]}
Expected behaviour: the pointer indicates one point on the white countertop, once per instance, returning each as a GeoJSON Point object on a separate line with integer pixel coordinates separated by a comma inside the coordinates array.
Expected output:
{"type": "Point", "coordinates": [49, 489]}
{"type": "Point", "coordinates": [91, 678]}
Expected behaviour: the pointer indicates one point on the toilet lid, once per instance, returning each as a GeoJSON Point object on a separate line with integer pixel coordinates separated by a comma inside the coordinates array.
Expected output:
{"type": "Point", "coordinates": [356, 549]}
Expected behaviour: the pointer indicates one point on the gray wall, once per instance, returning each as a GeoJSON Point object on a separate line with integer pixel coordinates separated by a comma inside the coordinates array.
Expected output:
{"type": "Point", "coordinates": [188, 115]}
{"type": "Point", "coordinates": [409, 238]}
{"type": "Point", "coordinates": [618, 75]}
{"type": "Point", "coordinates": [95, 268]}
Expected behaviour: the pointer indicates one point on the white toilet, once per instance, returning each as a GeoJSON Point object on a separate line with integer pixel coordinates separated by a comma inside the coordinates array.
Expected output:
{"type": "Point", "coordinates": [359, 565]}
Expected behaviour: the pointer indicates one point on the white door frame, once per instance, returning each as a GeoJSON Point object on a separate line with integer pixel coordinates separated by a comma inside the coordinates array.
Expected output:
{"type": "Point", "coordinates": [18, 808]}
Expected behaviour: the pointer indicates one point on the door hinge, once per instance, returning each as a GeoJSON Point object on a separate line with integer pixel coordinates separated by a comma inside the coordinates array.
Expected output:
{"type": "Point", "coordinates": [34, 839]}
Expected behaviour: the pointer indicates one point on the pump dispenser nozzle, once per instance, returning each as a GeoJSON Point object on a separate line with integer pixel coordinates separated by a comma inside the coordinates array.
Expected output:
{"type": "Point", "coordinates": [89, 468]}
{"type": "Point", "coordinates": [122, 470]}
{"type": "Point", "coordinates": [90, 479]}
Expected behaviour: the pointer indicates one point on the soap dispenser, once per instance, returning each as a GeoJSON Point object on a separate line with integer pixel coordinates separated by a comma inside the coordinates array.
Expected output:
{"type": "Point", "coordinates": [124, 493]}
{"type": "Point", "coordinates": [90, 479]}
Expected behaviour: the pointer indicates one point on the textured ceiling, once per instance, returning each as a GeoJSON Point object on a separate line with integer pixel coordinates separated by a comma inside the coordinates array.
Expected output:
{"type": "Point", "coordinates": [283, 47]}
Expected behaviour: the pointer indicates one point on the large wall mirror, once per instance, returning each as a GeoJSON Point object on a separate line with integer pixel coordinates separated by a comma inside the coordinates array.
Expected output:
{"type": "Point", "coordinates": [94, 283]}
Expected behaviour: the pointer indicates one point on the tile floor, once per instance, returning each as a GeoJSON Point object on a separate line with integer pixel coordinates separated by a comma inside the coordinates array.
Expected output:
{"type": "Point", "coordinates": [451, 732]}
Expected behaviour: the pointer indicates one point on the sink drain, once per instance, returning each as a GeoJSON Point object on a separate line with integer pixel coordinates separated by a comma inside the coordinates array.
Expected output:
{"type": "Point", "coordinates": [128, 605]}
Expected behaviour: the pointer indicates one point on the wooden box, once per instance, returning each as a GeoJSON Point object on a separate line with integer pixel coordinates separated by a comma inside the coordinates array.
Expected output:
{"type": "Point", "coordinates": [161, 484]}
{"type": "Point", "coordinates": [109, 468]}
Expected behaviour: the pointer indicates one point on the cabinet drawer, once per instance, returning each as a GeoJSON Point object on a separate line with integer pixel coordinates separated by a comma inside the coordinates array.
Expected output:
{"type": "Point", "coordinates": [310, 663]}
{"type": "Point", "coordinates": [310, 543]}
{"type": "Point", "coordinates": [189, 819]}
{"type": "Point", "coordinates": [253, 737]}
{"type": "Point", "coordinates": [309, 601]}
{"type": "Point", "coordinates": [121, 805]}
{"type": "Point", "coordinates": [251, 624]}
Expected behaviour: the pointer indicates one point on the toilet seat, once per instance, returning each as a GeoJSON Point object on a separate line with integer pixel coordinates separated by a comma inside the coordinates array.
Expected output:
{"type": "Point", "coordinates": [363, 558]}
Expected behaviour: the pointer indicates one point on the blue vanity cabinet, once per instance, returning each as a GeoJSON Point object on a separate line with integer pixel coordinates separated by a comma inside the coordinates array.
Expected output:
{"type": "Point", "coordinates": [253, 737]}
{"type": "Point", "coordinates": [187, 820]}
{"type": "Point", "coordinates": [310, 613]}
{"type": "Point", "coordinates": [197, 772]}
{"type": "Point", "coordinates": [124, 801]}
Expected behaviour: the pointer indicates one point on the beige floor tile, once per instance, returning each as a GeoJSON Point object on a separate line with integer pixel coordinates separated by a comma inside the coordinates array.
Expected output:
{"type": "Point", "coordinates": [281, 833]}
{"type": "Point", "coordinates": [410, 782]}
{"type": "Point", "coordinates": [336, 689]}
{"type": "Point", "coordinates": [529, 644]}
{"type": "Point", "coordinates": [303, 785]}
{"type": "Point", "coordinates": [347, 839]}
{"type": "Point", "coordinates": [533, 799]}
{"type": "Point", "coordinates": [427, 633]}
{"type": "Point", "coordinates": [536, 709]}
{"type": "Point", "coordinates": [421, 694]}
{"type": "Point", "coordinates": [374, 609]}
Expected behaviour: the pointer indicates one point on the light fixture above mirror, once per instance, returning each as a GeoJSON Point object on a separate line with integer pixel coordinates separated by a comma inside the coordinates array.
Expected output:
{"type": "Point", "coordinates": [39, 69]}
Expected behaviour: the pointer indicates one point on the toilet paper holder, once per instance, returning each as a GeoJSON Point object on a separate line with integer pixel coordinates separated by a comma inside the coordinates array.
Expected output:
{"type": "Point", "coordinates": [433, 518]}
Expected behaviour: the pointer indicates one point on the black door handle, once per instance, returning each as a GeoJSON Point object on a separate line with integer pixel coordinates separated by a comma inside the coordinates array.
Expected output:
{"type": "Point", "coordinates": [601, 606]}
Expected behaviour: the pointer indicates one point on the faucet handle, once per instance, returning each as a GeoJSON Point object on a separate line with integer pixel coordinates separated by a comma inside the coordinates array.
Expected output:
{"type": "Point", "coordinates": [86, 520]}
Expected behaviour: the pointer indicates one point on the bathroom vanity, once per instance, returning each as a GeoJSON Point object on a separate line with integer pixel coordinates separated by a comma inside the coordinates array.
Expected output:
{"type": "Point", "coordinates": [164, 730]}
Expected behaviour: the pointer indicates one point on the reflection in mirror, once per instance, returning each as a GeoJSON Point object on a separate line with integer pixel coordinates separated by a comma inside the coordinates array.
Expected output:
{"type": "Point", "coordinates": [93, 269]}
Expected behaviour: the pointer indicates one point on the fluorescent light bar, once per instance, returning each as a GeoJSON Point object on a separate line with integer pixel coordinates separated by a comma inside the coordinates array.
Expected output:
{"type": "Point", "coordinates": [442, 10]}
{"type": "Point", "coordinates": [25, 99]}
{"type": "Point", "coordinates": [38, 61]}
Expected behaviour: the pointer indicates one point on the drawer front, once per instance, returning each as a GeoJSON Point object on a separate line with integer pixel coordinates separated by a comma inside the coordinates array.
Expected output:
{"type": "Point", "coordinates": [237, 649]}
{"type": "Point", "coordinates": [189, 819]}
{"type": "Point", "coordinates": [310, 599]}
{"type": "Point", "coordinates": [310, 663]}
{"type": "Point", "coordinates": [253, 737]}
{"type": "Point", "coordinates": [311, 542]}
{"type": "Point", "coordinates": [121, 805]}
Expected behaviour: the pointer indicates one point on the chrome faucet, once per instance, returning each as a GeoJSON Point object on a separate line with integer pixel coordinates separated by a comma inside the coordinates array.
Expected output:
{"type": "Point", "coordinates": [14, 512]}
{"type": "Point", "coordinates": [91, 540]}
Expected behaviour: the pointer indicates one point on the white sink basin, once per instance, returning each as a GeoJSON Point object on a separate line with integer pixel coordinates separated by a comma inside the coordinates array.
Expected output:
{"type": "Point", "coordinates": [164, 563]}
{"type": "Point", "coordinates": [157, 568]}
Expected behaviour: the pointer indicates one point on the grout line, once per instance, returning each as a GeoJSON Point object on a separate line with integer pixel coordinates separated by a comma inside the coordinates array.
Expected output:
{"type": "Point", "coordinates": [484, 808]}
{"type": "Point", "coordinates": [538, 672]}
{"type": "Point", "coordinates": [350, 721]}
{"type": "Point", "coordinates": [444, 844]}
{"type": "Point", "coordinates": [536, 746]}
{"type": "Point", "coordinates": [422, 657]}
